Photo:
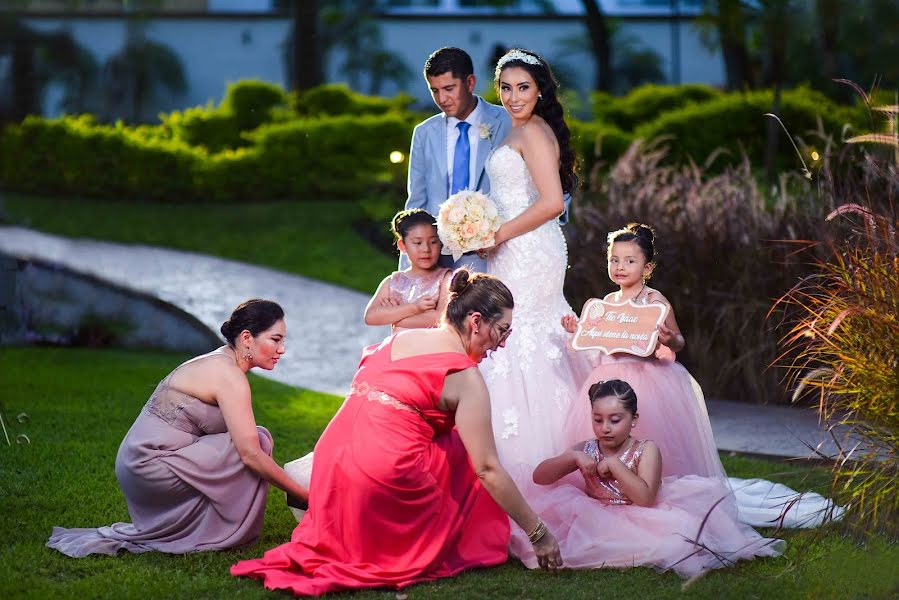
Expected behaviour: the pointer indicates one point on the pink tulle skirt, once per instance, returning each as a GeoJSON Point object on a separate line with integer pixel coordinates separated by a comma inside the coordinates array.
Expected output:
{"type": "Point", "coordinates": [671, 410]}
{"type": "Point", "coordinates": [673, 534]}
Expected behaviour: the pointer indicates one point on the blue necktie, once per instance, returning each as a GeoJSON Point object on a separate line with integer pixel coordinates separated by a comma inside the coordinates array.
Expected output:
{"type": "Point", "coordinates": [461, 157]}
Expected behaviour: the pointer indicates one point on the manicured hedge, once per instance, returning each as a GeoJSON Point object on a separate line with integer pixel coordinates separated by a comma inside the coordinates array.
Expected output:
{"type": "Point", "coordinates": [647, 102]}
{"type": "Point", "coordinates": [338, 99]}
{"type": "Point", "coordinates": [247, 105]}
{"type": "Point", "coordinates": [337, 157]}
{"type": "Point", "coordinates": [736, 122]}
{"type": "Point", "coordinates": [76, 156]}
{"type": "Point", "coordinates": [254, 147]}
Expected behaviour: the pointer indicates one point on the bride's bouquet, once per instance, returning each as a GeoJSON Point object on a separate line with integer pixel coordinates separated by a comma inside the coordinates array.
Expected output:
{"type": "Point", "coordinates": [467, 221]}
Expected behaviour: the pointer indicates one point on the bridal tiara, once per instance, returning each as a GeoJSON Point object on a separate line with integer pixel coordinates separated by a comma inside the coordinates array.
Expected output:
{"type": "Point", "coordinates": [517, 55]}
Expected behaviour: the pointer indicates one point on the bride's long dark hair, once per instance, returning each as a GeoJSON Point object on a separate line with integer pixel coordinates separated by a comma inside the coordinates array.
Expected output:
{"type": "Point", "coordinates": [549, 108]}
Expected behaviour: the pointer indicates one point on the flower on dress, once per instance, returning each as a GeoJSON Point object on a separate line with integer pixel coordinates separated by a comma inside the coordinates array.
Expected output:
{"type": "Point", "coordinates": [510, 420]}
{"type": "Point", "coordinates": [485, 132]}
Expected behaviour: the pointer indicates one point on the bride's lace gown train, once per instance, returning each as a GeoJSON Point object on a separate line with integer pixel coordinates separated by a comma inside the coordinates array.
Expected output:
{"type": "Point", "coordinates": [534, 380]}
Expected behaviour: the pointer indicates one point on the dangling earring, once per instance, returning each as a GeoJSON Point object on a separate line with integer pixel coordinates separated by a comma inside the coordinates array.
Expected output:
{"type": "Point", "coordinates": [246, 355]}
{"type": "Point", "coordinates": [539, 96]}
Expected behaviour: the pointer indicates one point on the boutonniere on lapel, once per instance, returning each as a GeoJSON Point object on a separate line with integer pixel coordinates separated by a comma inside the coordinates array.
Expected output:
{"type": "Point", "coordinates": [485, 132]}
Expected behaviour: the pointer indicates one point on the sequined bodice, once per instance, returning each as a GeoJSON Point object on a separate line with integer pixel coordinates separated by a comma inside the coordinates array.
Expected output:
{"type": "Point", "coordinates": [607, 490]}
{"type": "Point", "coordinates": [406, 287]}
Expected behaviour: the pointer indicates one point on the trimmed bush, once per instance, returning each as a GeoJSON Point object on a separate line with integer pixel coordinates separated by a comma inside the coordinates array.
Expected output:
{"type": "Point", "coordinates": [76, 156]}
{"type": "Point", "coordinates": [338, 157]}
{"type": "Point", "coordinates": [338, 99]}
{"type": "Point", "coordinates": [341, 155]}
{"type": "Point", "coordinates": [646, 102]}
{"type": "Point", "coordinates": [251, 101]}
{"type": "Point", "coordinates": [212, 128]}
{"type": "Point", "coordinates": [736, 123]}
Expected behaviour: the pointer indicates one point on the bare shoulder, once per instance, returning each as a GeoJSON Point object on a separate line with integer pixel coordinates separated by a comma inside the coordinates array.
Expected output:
{"type": "Point", "coordinates": [469, 379]}
{"type": "Point", "coordinates": [654, 295]}
{"type": "Point", "coordinates": [651, 448]}
{"type": "Point", "coordinates": [538, 131]}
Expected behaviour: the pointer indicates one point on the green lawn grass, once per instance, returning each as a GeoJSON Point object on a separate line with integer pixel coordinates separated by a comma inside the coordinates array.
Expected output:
{"type": "Point", "coordinates": [81, 403]}
{"type": "Point", "coordinates": [314, 239]}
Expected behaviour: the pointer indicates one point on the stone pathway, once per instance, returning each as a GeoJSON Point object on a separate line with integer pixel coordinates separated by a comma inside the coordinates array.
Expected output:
{"type": "Point", "coordinates": [325, 332]}
{"type": "Point", "coordinates": [325, 328]}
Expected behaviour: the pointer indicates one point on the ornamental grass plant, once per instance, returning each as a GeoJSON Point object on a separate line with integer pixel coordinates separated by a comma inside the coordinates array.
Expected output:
{"type": "Point", "coordinates": [841, 347]}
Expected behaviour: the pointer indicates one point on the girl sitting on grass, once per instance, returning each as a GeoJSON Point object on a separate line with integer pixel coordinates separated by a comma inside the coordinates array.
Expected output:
{"type": "Point", "coordinates": [618, 512]}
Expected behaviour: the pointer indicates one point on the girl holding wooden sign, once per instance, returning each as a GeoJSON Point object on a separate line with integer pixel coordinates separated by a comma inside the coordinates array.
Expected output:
{"type": "Point", "coordinates": [673, 411]}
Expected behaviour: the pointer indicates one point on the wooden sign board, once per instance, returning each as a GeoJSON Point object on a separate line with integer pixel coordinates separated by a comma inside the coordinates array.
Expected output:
{"type": "Point", "coordinates": [625, 327]}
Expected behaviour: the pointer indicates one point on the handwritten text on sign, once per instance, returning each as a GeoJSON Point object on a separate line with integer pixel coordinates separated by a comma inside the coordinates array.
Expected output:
{"type": "Point", "coordinates": [614, 328]}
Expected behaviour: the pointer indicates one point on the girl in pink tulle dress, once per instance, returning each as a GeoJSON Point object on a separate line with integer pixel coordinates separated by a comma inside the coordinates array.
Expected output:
{"type": "Point", "coordinates": [672, 408]}
{"type": "Point", "coordinates": [413, 298]}
{"type": "Point", "coordinates": [608, 505]}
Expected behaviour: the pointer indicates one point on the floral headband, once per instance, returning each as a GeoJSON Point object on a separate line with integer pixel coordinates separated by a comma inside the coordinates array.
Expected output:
{"type": "Point", "coordinates": [516, 55]}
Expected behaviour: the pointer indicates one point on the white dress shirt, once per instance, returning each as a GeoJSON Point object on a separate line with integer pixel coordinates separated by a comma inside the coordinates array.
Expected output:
{"type": "Point", "coordinates": [474, 137]}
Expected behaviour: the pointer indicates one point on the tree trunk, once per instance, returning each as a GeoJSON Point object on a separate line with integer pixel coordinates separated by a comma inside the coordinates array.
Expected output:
{"type": "Point", "coordinates": [732, 31]}
{"type": "Point", "coordinates": [777, 25]}
{"type": "Point", "coordinates": [828, 22]}
{"type": "Point", "coordinates": [24, 86]}
{"type": "Point", "coordinates": [598, 28]}
{"type": "Point", "coordinates": [307, 59]}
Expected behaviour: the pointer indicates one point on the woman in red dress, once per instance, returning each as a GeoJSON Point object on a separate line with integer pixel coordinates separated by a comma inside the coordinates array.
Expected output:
{"type": "Point", "coordinates": [406, 485]}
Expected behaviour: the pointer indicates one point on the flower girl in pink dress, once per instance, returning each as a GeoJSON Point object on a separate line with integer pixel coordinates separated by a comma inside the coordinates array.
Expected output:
{"type": "Point", "coordinates": [413, 298]}
{"type": "Point", "coordinates": [672, 408]}
{"type": "Point", "coordinates": [673, 411]}
{"type": "Point", "coordinates": [618, 512]}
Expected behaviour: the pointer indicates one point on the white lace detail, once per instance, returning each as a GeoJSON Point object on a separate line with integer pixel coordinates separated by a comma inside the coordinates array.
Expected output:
{"type": "Point", "coordinates": [364, 390]}
{"type": "Point", "coordinates": [533, 379]}
{"type": "Point", "coordinates": [510, 421]}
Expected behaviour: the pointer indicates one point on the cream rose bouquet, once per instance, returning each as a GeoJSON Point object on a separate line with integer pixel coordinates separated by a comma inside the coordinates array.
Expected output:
{"type": "Point", "coordinates": [467, 221]}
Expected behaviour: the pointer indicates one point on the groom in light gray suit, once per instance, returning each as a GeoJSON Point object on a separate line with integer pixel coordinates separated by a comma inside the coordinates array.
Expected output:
{"type": "Point", "coordinates": [449, 149]}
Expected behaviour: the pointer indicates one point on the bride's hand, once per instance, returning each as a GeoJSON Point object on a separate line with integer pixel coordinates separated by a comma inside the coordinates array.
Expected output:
{"type": "Point", "coordinates": [547, 551]}
{"type": "Point", "coordinates": [569, 323]}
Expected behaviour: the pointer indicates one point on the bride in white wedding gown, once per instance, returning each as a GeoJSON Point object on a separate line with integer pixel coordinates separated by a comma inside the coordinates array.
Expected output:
{"type": "Point", "coordinates": [532, 381]}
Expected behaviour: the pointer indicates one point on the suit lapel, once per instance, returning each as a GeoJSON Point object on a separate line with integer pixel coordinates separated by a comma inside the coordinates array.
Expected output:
{"type": "Point", "coordinates": [491, 120]}
{"type": "Point", "coordinates": [438, 152]}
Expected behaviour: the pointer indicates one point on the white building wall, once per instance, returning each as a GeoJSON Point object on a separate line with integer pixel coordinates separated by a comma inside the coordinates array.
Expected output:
{"type": "Point", "coordinates": [216, 50]}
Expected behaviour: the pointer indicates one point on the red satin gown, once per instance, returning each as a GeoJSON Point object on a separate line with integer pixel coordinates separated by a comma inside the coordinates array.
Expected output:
{"type": "Point", "coordinates": [393, 498]}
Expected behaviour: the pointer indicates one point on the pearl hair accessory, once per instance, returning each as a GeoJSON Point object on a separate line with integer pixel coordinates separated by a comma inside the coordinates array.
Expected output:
{"type": "Point", "coordinates": [516, 55]}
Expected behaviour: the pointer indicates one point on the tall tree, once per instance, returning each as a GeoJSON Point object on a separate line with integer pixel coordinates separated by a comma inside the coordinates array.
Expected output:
{"type": "Point", "coordinates": [723, 25]}
{"type": "Point", "coordinates": [308, 70]}
{"type": "Point", "coordinates": [776, 25]}
{"type": "Point", "coordinates": [828, 13]}
{"type": "Point", "coordinates": [600, 41]}
{"type": "Point", "coordinates": [35, 59]}
{"type": "Point", "coordinates": [134, 74]}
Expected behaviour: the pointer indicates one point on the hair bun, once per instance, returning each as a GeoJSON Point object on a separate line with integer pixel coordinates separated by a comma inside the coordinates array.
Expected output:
{"type": "Point", "coordinates": [461, 281]}
{"type": "Point", "coordinates": [226, 329]}
{"type": "Point", "coordinates": [642, 230]}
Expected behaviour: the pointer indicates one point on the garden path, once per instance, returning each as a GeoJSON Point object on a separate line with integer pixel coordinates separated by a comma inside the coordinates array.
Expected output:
{"type": "Point", "coordinates": [325, 328]}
